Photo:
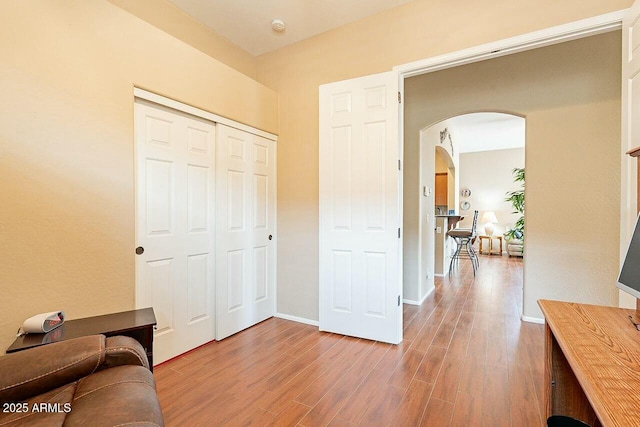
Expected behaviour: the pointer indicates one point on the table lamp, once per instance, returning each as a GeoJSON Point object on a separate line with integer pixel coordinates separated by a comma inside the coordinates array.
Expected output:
{"type": "Point", "coordinates": [489, 218]}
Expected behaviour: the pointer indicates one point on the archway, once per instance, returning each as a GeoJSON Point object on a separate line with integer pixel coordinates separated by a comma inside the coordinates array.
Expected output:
{"type": "Point", "coordinates": [477, 152]}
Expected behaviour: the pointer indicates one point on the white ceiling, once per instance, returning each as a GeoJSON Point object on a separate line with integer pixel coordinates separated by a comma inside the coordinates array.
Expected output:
{"type": "Point", "coordinates": [247, 23]}
{"type": "Point", "coordinates": [487, 131]}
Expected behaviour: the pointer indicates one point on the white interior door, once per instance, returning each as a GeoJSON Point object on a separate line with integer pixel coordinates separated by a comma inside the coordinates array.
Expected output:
{"type": "Point", "coordinates": [175, 226]}
{"type": "Point", "coordinates": [360, 274]}
{"type": "Point", "coordinates": [630, 118]}
{"type": "Point", "coordinates": [246, 230]}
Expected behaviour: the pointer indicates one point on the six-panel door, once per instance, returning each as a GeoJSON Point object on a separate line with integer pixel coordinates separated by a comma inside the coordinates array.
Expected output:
{"type": "Point", "coordinates": [360, 269]}
{"type": "Point", "coordinates": [246, 268]}
{"type": "Point", "coordinates": [175, 226]}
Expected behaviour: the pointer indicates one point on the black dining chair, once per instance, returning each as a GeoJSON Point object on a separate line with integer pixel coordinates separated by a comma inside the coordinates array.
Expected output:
{"type": "Point", "coordinates": [464, 238]}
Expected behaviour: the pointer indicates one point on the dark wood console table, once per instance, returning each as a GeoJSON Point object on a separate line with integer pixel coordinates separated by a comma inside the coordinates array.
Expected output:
{"type": "Point", "coordinates": [592, 363]}
{"type": "Point", "coordinates": [137, 324]}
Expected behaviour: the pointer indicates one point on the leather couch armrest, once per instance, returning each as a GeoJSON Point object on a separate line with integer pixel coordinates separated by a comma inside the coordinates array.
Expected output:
{"type": "Point", "coordinates": [31, 372]}
{"type": "Point", "coordinates": [121, 350]}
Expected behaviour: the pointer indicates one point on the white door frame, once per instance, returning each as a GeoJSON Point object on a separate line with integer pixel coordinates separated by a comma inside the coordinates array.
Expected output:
{"type": "Point", "coordinates": [629, 170]}
{"type": "Point", "coordinates": [549, 36]}
{"type": "Point", "coordinates": [194, 111]}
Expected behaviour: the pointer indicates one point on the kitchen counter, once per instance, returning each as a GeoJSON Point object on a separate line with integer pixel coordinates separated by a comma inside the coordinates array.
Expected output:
{"type": "Point", "coordinates": [444, 245]}
{"type": "Point", "coordinates": [452, 220]}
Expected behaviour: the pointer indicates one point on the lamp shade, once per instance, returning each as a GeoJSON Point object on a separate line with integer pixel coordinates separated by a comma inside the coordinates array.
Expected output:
{"type": "Point", "coordinates": [489, 217]}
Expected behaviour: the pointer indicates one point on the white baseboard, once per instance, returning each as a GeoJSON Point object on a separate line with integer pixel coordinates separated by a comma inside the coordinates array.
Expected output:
{"type": "Point", "coordinates": [427, 294]}
{"type": "Point", "coordinates": [532, 320]}
{"type": "Point", "coordinates": [298, 319]}
{"type": "Point", "coordinates": [405, 301]}
{"type": "Point", "coordinates": [414, 302]}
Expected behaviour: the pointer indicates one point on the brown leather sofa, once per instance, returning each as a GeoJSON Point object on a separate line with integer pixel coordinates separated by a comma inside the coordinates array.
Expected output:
{"type": "Point", "coordinates": [88, 381]}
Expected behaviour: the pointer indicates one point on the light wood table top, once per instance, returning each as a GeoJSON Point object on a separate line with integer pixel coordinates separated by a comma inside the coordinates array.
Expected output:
{"type": "Point", "coordinates": [603, 349]}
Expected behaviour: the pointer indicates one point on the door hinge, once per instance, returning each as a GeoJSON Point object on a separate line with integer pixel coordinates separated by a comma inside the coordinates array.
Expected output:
{"type": "Point", "coordinates": [399, 98]}
{"type": "Point", "coordinates": [399, 164]}
{"type": "Point", "coordinates": [398, 300]}
{"type": "Point", "coordinates": [398, 232]}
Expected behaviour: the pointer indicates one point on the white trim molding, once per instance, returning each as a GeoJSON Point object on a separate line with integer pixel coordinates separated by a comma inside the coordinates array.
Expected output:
{"type": "Point", "coordinates": [185, 108]}
{"type": "Point", "coordinates": [537, 320]}
{"type": "Point", "coordinates": [414, 302]}
{"type": "Point", "coordinates": [297, 319]}
{"type": "Point", "coordinates": [549, 36]}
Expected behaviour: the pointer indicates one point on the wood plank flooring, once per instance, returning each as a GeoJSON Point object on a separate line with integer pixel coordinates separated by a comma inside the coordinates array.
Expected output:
{"type": "Point", "coordinates": [466, 360]}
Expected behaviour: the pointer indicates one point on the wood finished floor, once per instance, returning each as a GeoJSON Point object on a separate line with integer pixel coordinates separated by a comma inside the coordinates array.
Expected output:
{"type": "Point", "coordinates": [466, 360]}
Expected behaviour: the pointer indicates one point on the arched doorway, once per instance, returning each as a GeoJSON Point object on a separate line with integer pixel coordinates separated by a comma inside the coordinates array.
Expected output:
{"type": "Point", "coordinates": [477, 153]}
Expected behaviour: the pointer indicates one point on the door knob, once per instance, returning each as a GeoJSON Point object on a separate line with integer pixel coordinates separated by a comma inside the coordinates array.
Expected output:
{"type": "Point", "coordinates": [139, 250]}
{"type": "Point", "coordinates": [270, 237]}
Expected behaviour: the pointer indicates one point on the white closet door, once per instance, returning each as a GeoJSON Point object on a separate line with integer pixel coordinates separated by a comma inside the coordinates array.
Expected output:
{"type": "Point", "coordinates": [175, 226]}
{"type": "Point", "coordinates": [360, 273]}
{"type": "Point", "coordinates": [246, 230]}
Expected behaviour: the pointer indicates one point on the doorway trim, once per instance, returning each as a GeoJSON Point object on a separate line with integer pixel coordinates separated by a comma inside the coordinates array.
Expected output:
{"type": "Point", "coordinates": [546, 37]}
{"type": "Point", "coordinates": [194, 111]}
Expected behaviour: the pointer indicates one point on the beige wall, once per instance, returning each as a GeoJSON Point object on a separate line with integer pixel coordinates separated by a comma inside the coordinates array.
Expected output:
{"type": "Point", "coordinates": [67, 72]}
{"type": "Point", "coordinates": [417, 30]}
{"type": "Point", "coordinates": [569, 95]}
{"type": "Point", "coordinates": [419, 268]}
{"type": "Point", "coordinates": [441, 164]}
{"type": "Point", "coordinates": [488, 174]}
{"type": "Point", "coordinates": [174, 21]}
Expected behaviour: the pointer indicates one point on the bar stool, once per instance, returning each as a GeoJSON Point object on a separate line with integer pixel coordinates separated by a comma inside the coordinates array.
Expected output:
{"type": "Point", "coordinates": [464, 238]}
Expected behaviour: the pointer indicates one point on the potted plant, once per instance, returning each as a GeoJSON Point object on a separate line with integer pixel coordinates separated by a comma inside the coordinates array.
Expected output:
{"type": "Point", "coordinates": [515, 235]}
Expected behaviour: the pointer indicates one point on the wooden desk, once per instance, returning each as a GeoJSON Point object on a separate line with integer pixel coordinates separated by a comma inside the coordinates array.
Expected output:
{"type": "Point", "coordinates": [491, 252]}
{"type": "Point", "coordinates": [137, 324]}
{"type": "Point", "coordinates": [592, 366]}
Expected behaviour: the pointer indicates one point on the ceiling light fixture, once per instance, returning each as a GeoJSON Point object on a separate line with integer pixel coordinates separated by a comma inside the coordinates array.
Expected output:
{"type": "Point", "coordinates": [278, 25]}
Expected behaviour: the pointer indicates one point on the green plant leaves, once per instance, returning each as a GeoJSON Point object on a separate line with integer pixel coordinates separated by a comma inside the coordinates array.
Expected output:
{"type": "Point", "coordinates": [516, 198]}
